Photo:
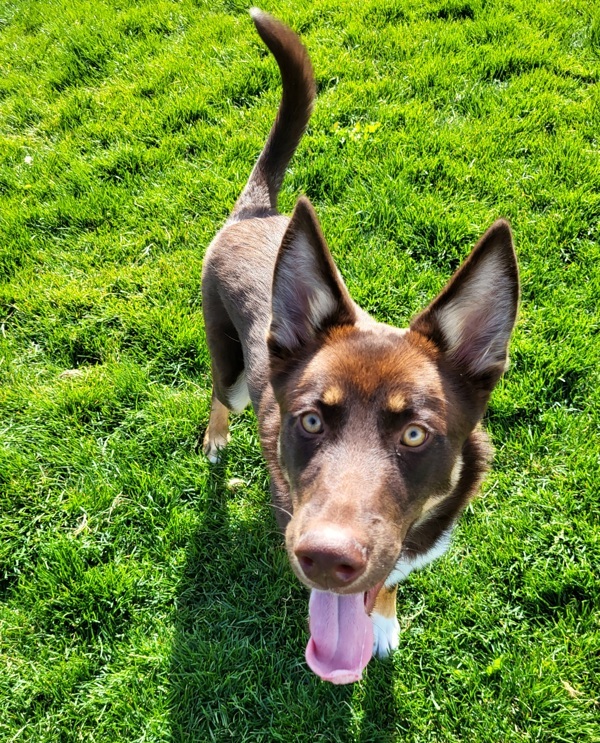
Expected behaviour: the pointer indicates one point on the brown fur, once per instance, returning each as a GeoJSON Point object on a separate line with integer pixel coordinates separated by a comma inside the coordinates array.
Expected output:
{"type": "Point", "coordinates": [353, 497]}
{"type": "Point", "coordinates": [385, 603]}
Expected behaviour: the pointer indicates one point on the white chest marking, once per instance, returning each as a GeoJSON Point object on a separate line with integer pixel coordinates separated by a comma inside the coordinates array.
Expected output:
{"type": "Point", "coordinates": [404, 566]}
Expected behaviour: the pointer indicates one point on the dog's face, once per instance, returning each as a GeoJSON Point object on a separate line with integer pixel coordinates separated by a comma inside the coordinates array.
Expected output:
{"type": "Point", "coordinates": [371, 440]}
{"type": "Point", "coordinates": [374, 420]}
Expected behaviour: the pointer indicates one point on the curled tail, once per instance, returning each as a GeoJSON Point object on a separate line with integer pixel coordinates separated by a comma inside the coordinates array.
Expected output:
{"type": "Point", "coordinates": [259, 196]}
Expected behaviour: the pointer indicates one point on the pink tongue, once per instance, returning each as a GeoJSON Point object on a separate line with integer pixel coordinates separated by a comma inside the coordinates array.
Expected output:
{"type": "Point", "coordinates": [341, 641]}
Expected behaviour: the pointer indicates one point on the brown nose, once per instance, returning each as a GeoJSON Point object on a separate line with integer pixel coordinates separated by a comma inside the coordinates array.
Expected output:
{"type": "Point", "coordinates": [331, 557]}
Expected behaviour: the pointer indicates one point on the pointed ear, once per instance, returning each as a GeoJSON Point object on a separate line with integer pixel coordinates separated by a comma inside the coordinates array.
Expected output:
{"type": "Point", "coordinates": [308, 292]}
{"type": "Point", "coordinates": [472, 318]}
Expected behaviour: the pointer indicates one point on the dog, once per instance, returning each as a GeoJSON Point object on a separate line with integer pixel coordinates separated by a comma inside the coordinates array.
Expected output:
{"type": "Point", "coordinates": [371, 433]}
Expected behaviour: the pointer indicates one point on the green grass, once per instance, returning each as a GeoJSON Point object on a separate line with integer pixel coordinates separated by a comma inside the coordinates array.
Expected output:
{"type": "Point", "coordinates": [143, 595]}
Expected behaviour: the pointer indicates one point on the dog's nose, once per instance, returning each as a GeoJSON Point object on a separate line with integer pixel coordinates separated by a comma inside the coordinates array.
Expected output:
{"type": "Point", "coordinates": [331, 557]}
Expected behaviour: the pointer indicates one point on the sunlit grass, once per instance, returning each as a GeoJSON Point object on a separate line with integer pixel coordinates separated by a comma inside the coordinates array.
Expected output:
{"type": "Point", "coordinates": [145, 596]}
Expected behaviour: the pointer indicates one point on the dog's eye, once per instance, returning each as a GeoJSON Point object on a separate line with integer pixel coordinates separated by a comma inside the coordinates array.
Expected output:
{"type": "Point", "coordinates": [311, 423]}
{"type": "Point", "coordinates": [414, 435]}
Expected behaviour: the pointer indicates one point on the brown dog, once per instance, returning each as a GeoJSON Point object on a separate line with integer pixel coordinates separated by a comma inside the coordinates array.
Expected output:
{"type": "Point", "coordinates": [371, 433]}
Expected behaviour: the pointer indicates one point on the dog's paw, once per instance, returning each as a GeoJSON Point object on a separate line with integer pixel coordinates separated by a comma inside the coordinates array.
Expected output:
{"type": "Point", "coordinates": [386, 634]}
{"type": "Point", "coordinates": [213, 447]}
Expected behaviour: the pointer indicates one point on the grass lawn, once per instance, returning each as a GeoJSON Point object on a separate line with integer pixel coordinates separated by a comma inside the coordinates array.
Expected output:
{"type": "Point", "coordinates": [145, 596]}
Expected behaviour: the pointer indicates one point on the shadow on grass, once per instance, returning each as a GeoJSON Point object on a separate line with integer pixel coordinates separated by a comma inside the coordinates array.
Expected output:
{"type": "Point", "coordinates": [238, 670]}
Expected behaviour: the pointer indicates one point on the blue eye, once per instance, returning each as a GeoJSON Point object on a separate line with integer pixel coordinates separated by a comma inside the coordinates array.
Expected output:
{"type": "Point", "coordinates": [311, 423]}
{"type": "Point", "coordinates": [414, 435]}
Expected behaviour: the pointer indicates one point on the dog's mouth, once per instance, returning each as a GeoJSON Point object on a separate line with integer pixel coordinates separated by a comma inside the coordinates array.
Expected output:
{"type": "Point", "coordinates": [341, 634]}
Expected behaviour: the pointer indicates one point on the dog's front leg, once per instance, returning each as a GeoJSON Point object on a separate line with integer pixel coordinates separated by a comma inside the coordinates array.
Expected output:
{"type": "Point", "coordinates": [217, 432]}
{"type": "Point", "coordinates": [386, 629]}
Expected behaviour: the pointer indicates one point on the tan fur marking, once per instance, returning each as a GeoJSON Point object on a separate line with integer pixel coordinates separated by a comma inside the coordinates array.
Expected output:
{"type": "Point", "coordinates": [396, 402]}
{"type": "Point", "coordinates": [385, 603]}
{"type": "Point", "coordinates": [435, 500]}
{"type": "Point", "coordinates": [456, 472]}
{"type": "Point", "coordinates": [432, 502]}
{"type": "Point", "coordinates": [333, 395]}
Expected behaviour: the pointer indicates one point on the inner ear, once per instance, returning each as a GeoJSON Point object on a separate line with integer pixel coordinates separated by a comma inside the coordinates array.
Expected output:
{"type": "Point", "coordinates": [471, 320]}
{"type": "Point", "coordinates": [308, 295]}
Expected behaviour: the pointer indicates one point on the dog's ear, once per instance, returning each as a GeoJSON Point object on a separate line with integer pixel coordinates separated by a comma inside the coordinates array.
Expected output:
{"type": "Point", "coordinates": [472, 318]}
{"type": "Point", "coordinates": [309, 295]}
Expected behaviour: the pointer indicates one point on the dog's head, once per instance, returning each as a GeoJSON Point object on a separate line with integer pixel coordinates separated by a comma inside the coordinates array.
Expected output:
{"type": "Point", "coordinates": [377, 423]}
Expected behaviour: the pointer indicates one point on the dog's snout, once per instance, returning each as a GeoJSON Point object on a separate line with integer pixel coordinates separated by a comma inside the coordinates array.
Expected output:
{"type": "Point", "coordinates": [331, 557]}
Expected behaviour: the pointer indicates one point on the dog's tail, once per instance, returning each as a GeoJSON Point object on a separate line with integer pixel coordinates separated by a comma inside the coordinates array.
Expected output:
{"type": "Point", "coordinates": [259, 197]}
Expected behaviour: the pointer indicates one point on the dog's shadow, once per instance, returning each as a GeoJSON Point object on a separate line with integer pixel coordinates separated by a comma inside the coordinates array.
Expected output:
{"type": "Point", "coordinates": [237, 664]}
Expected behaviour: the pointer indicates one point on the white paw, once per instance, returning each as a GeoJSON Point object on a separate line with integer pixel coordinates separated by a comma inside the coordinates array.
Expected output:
{"type": "Point", "coordinates": [386, 634]}
{"type": "Point", "coordinates": [213, 448]}
{"type": "Point", "coordinates": [213, 456]}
